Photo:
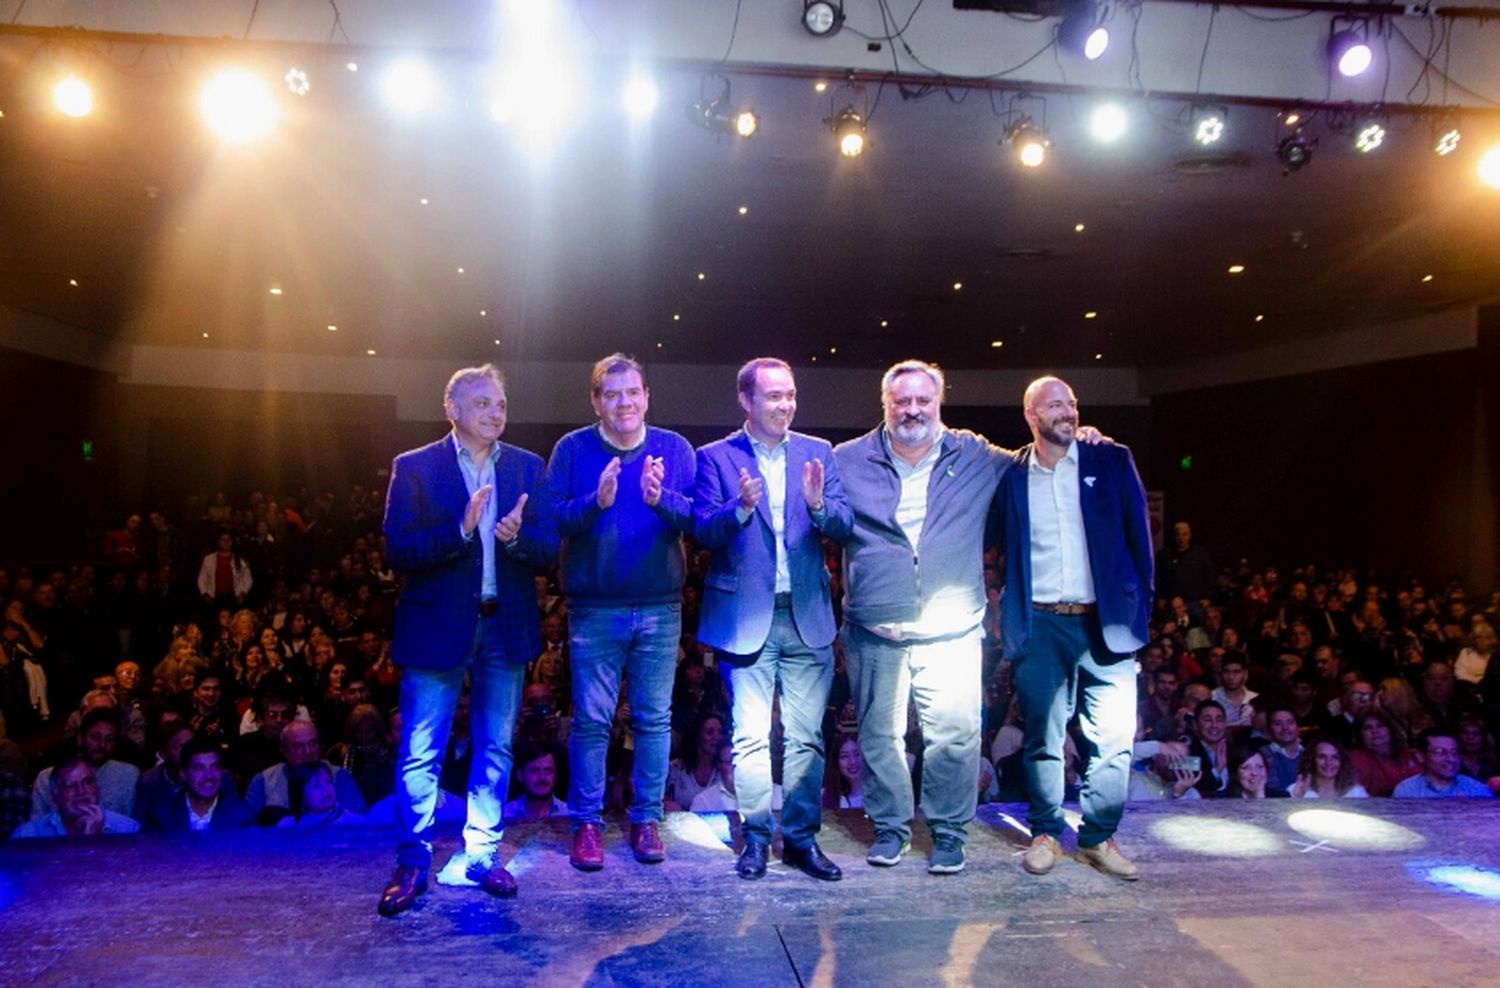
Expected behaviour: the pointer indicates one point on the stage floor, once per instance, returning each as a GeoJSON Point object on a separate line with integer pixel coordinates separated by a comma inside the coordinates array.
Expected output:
{"type": "Point", "coordinates": [1232, 894]}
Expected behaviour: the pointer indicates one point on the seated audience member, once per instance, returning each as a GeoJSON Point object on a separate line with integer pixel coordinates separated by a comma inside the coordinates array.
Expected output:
{"type": "Point", "coordinates": [73, 791]}
{"type": "Point", "coordinates": [1327, 773]}
{"type": "Point", "coordinates": [208, 800]}
{"type": "Point", "coordinates": [1476, 748]}
{"type": "Point", "coordinates": [366, 754]}
{"type": "Point", "coordinates": [697, 768]}
{"type": "Point", "coordinates": [541, 723]}
{"type": "Point", "coordinates": [272, 789]}
{"type": "Point", "coordinates": [1474, 660]}
{"type": "Point", "coordinates": [1303, 701]}
{"type": "Point", "coordinates": [719, 796]}
{"type": "Point", "coordinates": [1212, 747]}
{"type": "Point", "coordinates": [540, 778]}
{"type": "Point", "coordinates": [1357, 697]}
{"type": "Point", "coordinates": [1158, 709]}
{"type": "Point", "coordinates": [1284, 755]}
{"type": "Point", "coordinates": [1187, 709]}
{"type": "Point", "coordinates": [1436, 693]}
{"type": "Point", "coordinates": [1248, 772]}
{"type": "Point", "coordinates": [160, 786]}
{"type": "Point", "coordinates": [15, 795]}
{"type": "Point", "coordinates": [114, 781]}
{"type": "Point", "coordinates": [315, 800]}
{"type": "Point", "coordinates": [697, 693]}
{"type": "Point", "coordinates": [1380, 756]}
{"type": "Point", "coordinates": [251, 754]}
{"type": "Point", "coordinates": [1233, 695]}
{"type": "Point", "coordinates": [1397, 698]}
{"type": "Point", "coordinates": [847, 791]}
{"type": "Point", "coordinates": [1440, 777]}
{"type": "Point", "coordinates": [132, 701]}
{"type": "Point", "coordinates": [1160, 770]}
{"type": "Point", "coordinates": [207, 713]}
{"type": "Point", "coordinates": [181, 659]}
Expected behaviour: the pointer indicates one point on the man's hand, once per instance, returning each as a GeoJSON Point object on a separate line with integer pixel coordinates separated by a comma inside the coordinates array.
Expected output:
{"type": "Point", "coordinates": [652, 473]}
{"type": "Point", "coordinates": [609, 483]}
{"type": "Point", "coordinates": [90, 819]}
{"type": "Point", "coordinates": [508, 529]}
{"type": "Point", "coordinates": [751, 490]}
{"type": "Point", "coordinates": [812, 484]}
{"type": "Point", "coordinates": [1092, 436]}
{"type": "Point", "coordinates": [475, 510]}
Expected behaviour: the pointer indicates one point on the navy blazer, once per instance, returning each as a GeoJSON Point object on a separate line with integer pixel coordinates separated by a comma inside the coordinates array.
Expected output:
{"type": "Point", "coordinates": [739, 592]}
{"type": "Point", "coordinates": [441, 572]}
{"type": "Point", "coordinates": [1118, 532]}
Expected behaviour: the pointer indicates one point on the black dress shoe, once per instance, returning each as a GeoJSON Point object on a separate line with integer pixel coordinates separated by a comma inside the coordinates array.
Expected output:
{"type": "Point", "coordinates": [812, 861]}
{"type": "Point", "coordinates": [752, 862]}
{"type": "Point", "coordinates": [498, 882]}
{"type": "Point", "coordinates": [401, 894]}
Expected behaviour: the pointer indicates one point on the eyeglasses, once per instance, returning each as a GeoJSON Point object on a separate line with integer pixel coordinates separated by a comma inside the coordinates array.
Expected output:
{"type": "Point", "coordinates": [1361, 695]}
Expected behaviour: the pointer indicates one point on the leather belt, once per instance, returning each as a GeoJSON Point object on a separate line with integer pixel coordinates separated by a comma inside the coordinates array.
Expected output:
{"type": "Point", "coordinates": [489, 607]}
{"type": "Point", "coordinates": [1064, 609]}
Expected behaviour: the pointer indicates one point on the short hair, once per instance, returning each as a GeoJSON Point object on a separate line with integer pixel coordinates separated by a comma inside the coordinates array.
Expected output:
{"type": "Point", "coordinates": [1234, 658]}
{"type": "Point", "coordinates": [200, 745]}
{"type": "Point", "coordinates": [264, 700]}
{"type": "Point", "coordinates": [100, 715]}
{"type": "Point", "coordinates": [745, 380]}
{"type": "Point", "coordinates": [615, 363]}
{"type": "Point", "coordinates": [199, 675]}
{"type": "Point", "coordinates": [1204, 705]}
{"type": "Point", "coordinates": [1436, 731]}
{"type": "Point", "coordinates": [465, 376]}
{"type": "Point", "coordinates": [54, 781]}
{"type": "Point", "coordinates": [913, 366]}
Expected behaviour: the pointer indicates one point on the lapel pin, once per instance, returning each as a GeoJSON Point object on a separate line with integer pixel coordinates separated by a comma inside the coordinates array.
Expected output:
{"type": "Point", "coordinates": [1089, 481]}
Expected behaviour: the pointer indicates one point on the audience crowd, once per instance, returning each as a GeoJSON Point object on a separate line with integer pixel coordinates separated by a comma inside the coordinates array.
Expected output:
{"type": "Point", "coordinates": [234, 670]}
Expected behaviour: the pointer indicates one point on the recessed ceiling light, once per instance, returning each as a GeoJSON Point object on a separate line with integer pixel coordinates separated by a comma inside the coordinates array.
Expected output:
{"type": "Point", "coordinates": [484, 312]}
{"type": "Point", "coordinates": [996, 344]}
{"type": "Point", "coordinates": [275, 291]}
{"type": "Point", "coordinates": [958, 286]}
{"type": "Point", "coordinates": [1077, 227]}
{"type": "Point", "coordinates": [820, 86]}
{"type": "Point", "coordinates": [74, 281]}
{"type": "Point", "coordinates": [1260, 317]}
{"type": "Point", "coordinates": [833, 349]}
{"type": "Point", "coordinates": [1425, 279]}
{"type": "Point", "coordinates": [423, 200]}
{"type": "Point", "coordinates": [205, 336]}
{"type": "Point", "coordinates": [1098, 356]}
{"type": "Point", "coordinates": [815, 358]}
{"type": "Point", "coordinates": [701, 276]}
{"type": "Point", "coordinates": [884, 323]}
{"type": "Point", "coordinates": [332, 328]}
{"type": "Point", "coordinates": [497, 343]}
{"type": "Point", "coordinates": [658, 345]}
{"type": "Point", "coordinates": [1091, 314]}
{"type": "Point", "coordinates": [744, 210]}
{"type": "Point", "coordinates": [369, 353]}
{"type": "Point", "coordinates": [1236, 269]}
{"type": "Point", "coordinates": [352, 66]}
{"type": "Point", "coordinates": [676, 317]}
{"type": "Point", "coordinates": [460, 270]}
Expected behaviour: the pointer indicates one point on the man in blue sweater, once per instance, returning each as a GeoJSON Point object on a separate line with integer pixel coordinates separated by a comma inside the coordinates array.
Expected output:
{"type": "Point", "coordinates": [617, 486]}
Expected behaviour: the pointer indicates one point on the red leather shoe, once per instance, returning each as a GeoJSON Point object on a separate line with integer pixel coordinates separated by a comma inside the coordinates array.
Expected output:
{"type": "Point", "coordinates": [406, 884]}
{"type": "Point", "coordinates": [588, 848]}
{"type": "Point", "coordinates": [645, 841]}
{"type": "Point", "coordinates": [498, 882]}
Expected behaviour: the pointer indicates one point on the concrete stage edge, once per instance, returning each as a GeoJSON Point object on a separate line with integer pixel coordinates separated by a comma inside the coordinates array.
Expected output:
{"type": "Point", "coordinates": [1360, 892]}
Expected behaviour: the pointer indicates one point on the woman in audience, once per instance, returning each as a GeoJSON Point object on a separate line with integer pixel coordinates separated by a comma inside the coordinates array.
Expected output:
{"type": "Point", "coordinates": [1476, 748]}
{"type": "Point", "coordinates": [1327, 773]}
{"type": "Point", "coordinates": [1474, 659]}
{"type": "Point", "coordinates": [1248, 772]}
{"type": "Point", "coordinates": [366, 754]}
{"type": "Point", "coordinates": [315, 801]}
{"type": "Point", "coordinates": [1380, 755]}
{"type": "Point", "coordinates": [697, 770]}
{"type": "Point", "coordinates": [1397, 698]}
{"type": "Point", "coordinates": [847, 790]}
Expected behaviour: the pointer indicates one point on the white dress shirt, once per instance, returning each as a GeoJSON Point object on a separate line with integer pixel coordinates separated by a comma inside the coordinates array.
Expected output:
{"type": "Point", "coordinates": [771, 461]}
{"type": "Point", "coordinates": [1060, 572]}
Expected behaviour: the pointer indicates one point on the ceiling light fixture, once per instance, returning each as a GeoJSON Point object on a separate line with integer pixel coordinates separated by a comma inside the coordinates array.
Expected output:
{"type": "Point", "coordinates": [848, 132]}
{"type": "Point", "coordinates": [1208, 124]}
{"type": "Point", "coordinates": [1369, 136]}
{"type": "Point", "coordinates": [822, 18]}
{"type": "Point", "coordinates": [1082, 30]}
{"type": "Point", "coordinates": [1108, 122]}
{"type": "Point", "coordinates": [296, 82]}
{"type": "Point", "coordinates": [1028, 142]}
{"type": "Point", "coordinates": [409, 87]}
{"type": "Point", "coordinates": [237, 106]}
{"type": "Point", "coordinates": [73, 97]}
{"type": "Point", "coordinates": [639, 98]}
{"type": "Point", "coordinates": [1349, 50]}
{"type": "Point", "coordinates": [1489, 167]}
{"type": "Point", "coordinates": [1446, 137]}
{"type": "Point", "coordinates": [1295, 151]}
{"type": "Point", "coordinates": [721, 116]}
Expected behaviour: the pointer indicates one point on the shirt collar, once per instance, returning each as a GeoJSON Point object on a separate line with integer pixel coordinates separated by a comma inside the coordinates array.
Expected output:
{"type": "Point", "coordinates": [932, 454]}
{"type": "Point", "coordinates": [463, 451]}
{"type": "Point", "coordinates": [599, 430]}
{"type": "Point", "coordinates": [757, 445]}
{"type": "Point", "coordinates": [1071, 456]}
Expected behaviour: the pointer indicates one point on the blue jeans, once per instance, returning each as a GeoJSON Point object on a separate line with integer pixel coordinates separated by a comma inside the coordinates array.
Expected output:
{"type": "Point", "coordinates": [640, 642]}
{"type": "Point", "coordinates": [428, 699]}
{"type": "Point", "coordinates": [806, 674]}
{"type": "Point", "coordinates": [1066, 660]}
{"type": "Point", "coordinates": [942, 677]}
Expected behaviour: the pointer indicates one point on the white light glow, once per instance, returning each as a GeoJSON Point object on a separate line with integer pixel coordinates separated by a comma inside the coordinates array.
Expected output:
{"type": "Point", "coordinates": [1209, 130]}
{"type": "Point", "coordinates": [1370, 137]}
{"type": "Point", "coordinates": [1109, 122]}
{"type": "Point", "coordinates": [1447, 142]}
{"type": "Point", "coordinates": [1215, 837]}
{"type": "Point", "coordinates": [1097, 42]}
{"type": "Point", "coordinates": [73, 97]}
{"type": "Point", "coordinates": [1483, 882]}
{"type": "Point", "coordinates": [296, 82]}
{"type": "Point", "coordinates": [640, 98]}
{"type": "Point", "coordinates": [1355, 831]}
{"type": "Point", "coordinates": [237, 105]}
{"type": "Point", "coordinates": [409, 88]}
{"type": "Point", "coordinates": [1355, 59]}
{"type": "Point", "coordinates": [1033, 153]}
{"type": "Point", "coordinates": [1489, 167]}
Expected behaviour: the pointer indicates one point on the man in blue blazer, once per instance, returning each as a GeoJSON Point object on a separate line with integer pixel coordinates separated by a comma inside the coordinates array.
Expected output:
{"type": "Point", "coordinates": [1077, 599]}
{"type": "Point", "coordinates": [467, 523]}
{"type": "Point", "coordinates": [763, 499]}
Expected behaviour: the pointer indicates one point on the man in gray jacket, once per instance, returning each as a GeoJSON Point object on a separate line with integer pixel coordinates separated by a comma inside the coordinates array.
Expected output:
{"type": "Point", "coordinates": [913, 607]}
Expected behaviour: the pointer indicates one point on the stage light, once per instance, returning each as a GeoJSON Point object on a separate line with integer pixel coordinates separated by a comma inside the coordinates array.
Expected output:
{"type": "Point", "coordinates": [1215, 837]}
{"type": "Point", "coordinates": [1469, 879]}
{"type": "Point", "coordinates": [1355, 831]}
{"type": "Point", "coordinates": [1082, 30]}
{"type": "Point", "coordinates": [1447, 142]}
{"type": "Point", "coordinates": [1028, 142]}
{"type": "Point", "coordinates": [296, 82]}
{"type": "Point", "coordinates": [237, 106]}
{"type": "Point", "coordinates": [1489, 167]}
{"type": "Point", "coordinates": [1295, 151]}
{"type": "Point", "coordinates": [718, 115]}
{"type": "Point", "coordinates": [1350, 52]}
{"type": "Point", "coordinates": [640, 97]}
{"type": "Point", "coordinates": [409, 87]}
{"type": "Point", "coordinates": [1108, 122]}
{"type": "Point", "coordinates": [73, 97]}
{"type": "Point", "coordinates": [1291, 118]}
{"type": "Point", "coordinates": [1369, 137]}
{"type": "Point", "coordinates": [822, 18]}
{"type": "Point", "coordinates": [849, 132]}
{"type": "Point", "coordinates": [1208, 124]}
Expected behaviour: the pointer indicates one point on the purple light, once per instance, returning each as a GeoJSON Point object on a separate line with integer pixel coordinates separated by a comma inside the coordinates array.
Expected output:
{"type": "Point", "coordinates": [1350, 52]}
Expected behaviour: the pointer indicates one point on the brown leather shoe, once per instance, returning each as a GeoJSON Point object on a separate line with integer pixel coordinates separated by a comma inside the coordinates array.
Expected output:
{"type": "Point", "coordinates": [406, 884]}
{"type": "Point", "coordinates": [498, 882]}
{"type": "Point", "coordinates": [588, 848]}
{"type": "Point", "coordinates": [645, 841]}
{"type": "Point", "coordinates": [1107, 858]}
{"type": "Point", "coordinates": [1043, 853]}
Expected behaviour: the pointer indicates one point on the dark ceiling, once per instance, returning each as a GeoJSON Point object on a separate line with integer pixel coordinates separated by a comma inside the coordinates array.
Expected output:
{"type": "Point", "coordinates": [600, 246]}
